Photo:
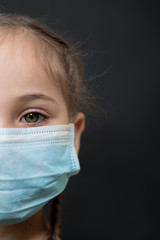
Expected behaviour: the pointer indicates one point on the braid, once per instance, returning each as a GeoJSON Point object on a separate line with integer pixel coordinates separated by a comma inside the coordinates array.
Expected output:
{"type": "Point", "coordinates": [55, 217]}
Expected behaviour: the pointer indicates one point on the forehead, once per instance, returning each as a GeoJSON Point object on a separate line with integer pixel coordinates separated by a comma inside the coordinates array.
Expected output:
{"type": "Point", "coordinates": [21, 57]}
{"type": "Point", "coordinates": [22, 69]}
{"type": "Point", "coordinates": [18, 51]}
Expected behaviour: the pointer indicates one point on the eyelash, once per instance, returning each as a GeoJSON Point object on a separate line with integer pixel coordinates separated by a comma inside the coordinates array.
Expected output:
{"type": "Point", "coordinates": [41, 118]}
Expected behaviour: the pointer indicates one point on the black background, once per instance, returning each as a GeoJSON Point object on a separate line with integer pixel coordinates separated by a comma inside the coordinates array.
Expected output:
{"type": "Point", "coordinates": [116, 194]}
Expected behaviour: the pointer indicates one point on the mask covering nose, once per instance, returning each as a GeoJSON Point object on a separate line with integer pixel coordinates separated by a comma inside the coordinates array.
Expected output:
{"type": "Point", "coordinates": [35, 166]}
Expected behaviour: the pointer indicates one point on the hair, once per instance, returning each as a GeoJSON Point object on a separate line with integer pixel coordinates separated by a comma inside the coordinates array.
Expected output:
{"type": "Point", "coordinates": [60, 60]}
{"type": "Point", "coordinates": [62, 63]}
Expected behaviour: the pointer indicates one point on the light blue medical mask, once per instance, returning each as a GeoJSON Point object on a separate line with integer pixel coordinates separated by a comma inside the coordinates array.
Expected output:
{"type": "Point", "coordinates": [35, 166]}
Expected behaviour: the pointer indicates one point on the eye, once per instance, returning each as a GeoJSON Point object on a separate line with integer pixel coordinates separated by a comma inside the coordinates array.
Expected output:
{"type": "Point", "coordinates": [33, 118]}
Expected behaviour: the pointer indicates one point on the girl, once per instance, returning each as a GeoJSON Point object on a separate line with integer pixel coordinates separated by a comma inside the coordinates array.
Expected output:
{"type": "Point", "coordinates": [40, 126]}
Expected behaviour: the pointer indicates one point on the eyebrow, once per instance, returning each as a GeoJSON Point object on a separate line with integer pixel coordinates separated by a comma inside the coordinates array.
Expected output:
{"type": "Point", "coordinates": [35, 96]}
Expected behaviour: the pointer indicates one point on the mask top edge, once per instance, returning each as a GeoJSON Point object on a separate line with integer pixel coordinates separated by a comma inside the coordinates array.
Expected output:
{"type": "Point", "coordinates": [41, 129]}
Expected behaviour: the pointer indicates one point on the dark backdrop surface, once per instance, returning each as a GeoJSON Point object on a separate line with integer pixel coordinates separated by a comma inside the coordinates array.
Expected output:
{"type": "Point", "coordinates": [116, 194]}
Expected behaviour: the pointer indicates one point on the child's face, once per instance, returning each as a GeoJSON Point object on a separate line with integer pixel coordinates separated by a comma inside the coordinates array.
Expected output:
{"type": "Point", "coordinates": [28, 98]}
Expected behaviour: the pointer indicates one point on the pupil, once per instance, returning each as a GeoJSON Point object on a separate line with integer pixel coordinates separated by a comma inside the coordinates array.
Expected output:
{"type": "Point", "coordinates": [32, 117]}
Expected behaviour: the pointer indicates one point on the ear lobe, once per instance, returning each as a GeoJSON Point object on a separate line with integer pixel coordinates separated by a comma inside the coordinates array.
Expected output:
{"type": "Point", "coordinates": [79, 125]}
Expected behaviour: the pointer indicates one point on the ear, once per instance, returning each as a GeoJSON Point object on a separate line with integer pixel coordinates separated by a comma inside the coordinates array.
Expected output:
{"type": "Point", "coordinates": [79, 125]}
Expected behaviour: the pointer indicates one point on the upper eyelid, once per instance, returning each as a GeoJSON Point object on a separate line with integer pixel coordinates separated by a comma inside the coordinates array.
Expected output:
{"type": "Point", "coordinates": [27, 111]}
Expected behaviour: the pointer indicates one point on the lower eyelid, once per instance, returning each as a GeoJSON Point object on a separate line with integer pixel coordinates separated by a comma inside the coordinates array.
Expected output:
{"type": "Point", "coordinates": [35, 124]}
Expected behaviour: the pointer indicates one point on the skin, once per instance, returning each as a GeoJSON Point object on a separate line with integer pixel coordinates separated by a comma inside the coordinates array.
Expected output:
{"type": "Point", "coordinates": [28, 98]}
